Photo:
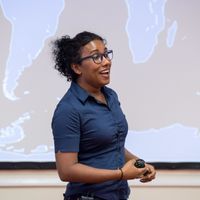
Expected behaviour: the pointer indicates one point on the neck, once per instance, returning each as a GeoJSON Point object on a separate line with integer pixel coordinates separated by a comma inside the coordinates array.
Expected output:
{"type": "Point", "coordinates": [94, 91]}
{"type": "Point", "coordinates": [90, 89]}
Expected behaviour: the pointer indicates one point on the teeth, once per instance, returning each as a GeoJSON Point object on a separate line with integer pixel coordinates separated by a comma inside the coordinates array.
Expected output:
{"type": "Point", "coordinates": [105, 72]}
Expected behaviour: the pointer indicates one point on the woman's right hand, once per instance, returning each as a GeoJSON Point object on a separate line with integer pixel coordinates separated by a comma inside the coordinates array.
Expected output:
{"type": "Point", "coordinates": [132, 172]}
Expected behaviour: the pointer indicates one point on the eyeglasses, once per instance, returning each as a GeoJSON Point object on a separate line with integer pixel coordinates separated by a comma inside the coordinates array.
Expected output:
{"type": "Point", "coordinates": [98, 57]}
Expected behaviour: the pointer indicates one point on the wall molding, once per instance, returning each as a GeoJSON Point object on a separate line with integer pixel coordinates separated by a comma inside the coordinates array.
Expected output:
{"type": "Point", "coordinates": [49, 178]}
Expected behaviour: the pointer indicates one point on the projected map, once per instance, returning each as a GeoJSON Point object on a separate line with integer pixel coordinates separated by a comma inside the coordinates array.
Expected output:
{"type": "Point", "coordinates": [155, 46]}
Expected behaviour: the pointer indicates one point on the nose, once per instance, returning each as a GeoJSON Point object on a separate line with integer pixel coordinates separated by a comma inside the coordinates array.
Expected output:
{"type": "Point", "coordinates": [105, 60]}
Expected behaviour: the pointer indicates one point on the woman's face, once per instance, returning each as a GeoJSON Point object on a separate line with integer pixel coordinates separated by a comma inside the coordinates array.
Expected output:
{"type": "Point", "coordinates": [92, 75]}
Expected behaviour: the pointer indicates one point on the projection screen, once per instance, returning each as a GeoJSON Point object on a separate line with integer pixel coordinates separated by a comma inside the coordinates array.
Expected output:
{"type": "Point", "coordinates": [155, 71]}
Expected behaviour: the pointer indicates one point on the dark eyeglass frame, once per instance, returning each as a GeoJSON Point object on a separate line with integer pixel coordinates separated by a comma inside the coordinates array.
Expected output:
{"type": "Point", "coordinates": [105, 55]}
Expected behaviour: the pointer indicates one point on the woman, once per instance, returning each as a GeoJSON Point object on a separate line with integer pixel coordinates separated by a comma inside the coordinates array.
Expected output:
{"type": "Point", "coordinates": [89, 127]}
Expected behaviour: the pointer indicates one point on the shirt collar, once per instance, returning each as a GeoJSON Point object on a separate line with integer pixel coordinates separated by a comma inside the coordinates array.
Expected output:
{"type": "Point", "coordinates": [82, 94]}
{"type": "Point", "coordinates": [79, 92]}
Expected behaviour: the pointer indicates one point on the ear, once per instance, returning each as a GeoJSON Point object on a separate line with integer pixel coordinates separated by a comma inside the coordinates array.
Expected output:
{"type": "Point", "coordinates": [76, 68]}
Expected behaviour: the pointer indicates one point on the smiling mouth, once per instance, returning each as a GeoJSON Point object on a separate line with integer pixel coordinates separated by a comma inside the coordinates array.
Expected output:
{"type": "Point", "coordinates": [105, 72]}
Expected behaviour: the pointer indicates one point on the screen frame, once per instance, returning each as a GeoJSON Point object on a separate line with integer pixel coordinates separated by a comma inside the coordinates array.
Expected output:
{"type": "Point", "coordinates": [52, 165]}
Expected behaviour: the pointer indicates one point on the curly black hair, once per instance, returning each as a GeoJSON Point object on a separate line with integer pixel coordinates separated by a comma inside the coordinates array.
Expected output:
{"type": "Point", "coordinates": [66, 51]}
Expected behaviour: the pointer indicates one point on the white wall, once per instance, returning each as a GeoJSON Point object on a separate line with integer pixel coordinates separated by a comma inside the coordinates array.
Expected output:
{"type": "Point", "coordinates": [45, 185]}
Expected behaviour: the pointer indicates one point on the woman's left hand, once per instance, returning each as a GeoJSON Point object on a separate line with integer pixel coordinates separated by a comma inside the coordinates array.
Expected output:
{"type": "Point", "coordinates": [149, 175]}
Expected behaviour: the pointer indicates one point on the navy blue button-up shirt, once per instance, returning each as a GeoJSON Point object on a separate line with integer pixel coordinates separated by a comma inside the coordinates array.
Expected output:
{"type": "Point", "coordinates": [97, 132]}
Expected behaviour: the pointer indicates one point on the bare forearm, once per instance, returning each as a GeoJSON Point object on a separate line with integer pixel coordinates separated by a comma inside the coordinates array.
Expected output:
{"type": "Point", "coordinates": [69, 169]}
{"type": "Point", "coordinates": [83, 173]}
{"type": "Point", "coordinates": [129, 155]}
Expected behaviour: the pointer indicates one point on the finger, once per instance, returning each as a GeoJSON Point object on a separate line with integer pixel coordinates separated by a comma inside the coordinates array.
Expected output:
{"type": "Point", "coordinates": [147, 178]}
